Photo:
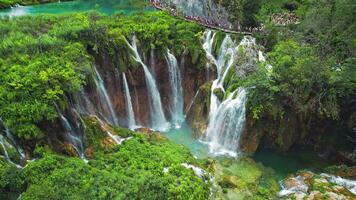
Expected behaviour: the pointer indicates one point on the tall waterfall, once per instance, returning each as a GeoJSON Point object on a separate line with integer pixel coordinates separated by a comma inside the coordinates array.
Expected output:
{"type": "Point", "coordinates": [130, 113]}
{"type": "Point", "coordinates": [72, 136]}
{"type": "Point", "coordinates": [158, 120]}
{"type": "Point", "coordinates": [104, 97]}
{"type": "Point", "coordinates": [177, 90]}
{"type": "Point", "coordinates": [227, 118]}
{"type": "Point", "coordinates": [226, 124]}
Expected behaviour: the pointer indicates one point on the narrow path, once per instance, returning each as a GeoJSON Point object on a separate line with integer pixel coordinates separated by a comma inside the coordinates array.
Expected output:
{"type": "Point", "coordinates": [201, 23]}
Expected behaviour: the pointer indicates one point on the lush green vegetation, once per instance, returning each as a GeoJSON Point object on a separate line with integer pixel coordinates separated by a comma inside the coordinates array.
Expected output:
{"type": "Point", "coordinates": [45, 58]}
{"type": "Point", "coordinates": [134, 170]}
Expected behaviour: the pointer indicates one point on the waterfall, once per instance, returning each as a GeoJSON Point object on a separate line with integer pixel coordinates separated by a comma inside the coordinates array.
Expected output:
{"type": "Point", "coordinates": [226, 124]}
{"type": "Point", "coordinates": [158, 120]}
{"type": "Point", "coordinates": [104, 97]}
{"type": "Point", "coordinates": [177, 90]}
{"type": "Point", "coordinates": [130, 113]}
{"type": "Point", "coordinates": [223, 63]}
{"type": "Point", "coordinates": [73, 137]}
{"type": "Point", "coordinates": [227, 118]}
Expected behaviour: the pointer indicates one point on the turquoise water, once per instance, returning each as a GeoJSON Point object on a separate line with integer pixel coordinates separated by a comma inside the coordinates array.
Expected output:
{"type": "Point", "coordinates": [287, 163]}
{"type": "Point", "coordinates": [102, 6]}
{"type": "Point", "coordinates": [281, 163]}
{"type": "Point", "coordinates": [184, 136]}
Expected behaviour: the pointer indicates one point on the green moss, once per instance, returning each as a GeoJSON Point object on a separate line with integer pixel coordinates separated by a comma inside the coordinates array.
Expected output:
{"type": "Point", "coordinates": [219, 93]}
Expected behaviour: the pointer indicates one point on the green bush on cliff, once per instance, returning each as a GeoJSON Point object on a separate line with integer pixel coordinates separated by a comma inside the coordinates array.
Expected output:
{"type": "Point", "coordinates": [11, 183]}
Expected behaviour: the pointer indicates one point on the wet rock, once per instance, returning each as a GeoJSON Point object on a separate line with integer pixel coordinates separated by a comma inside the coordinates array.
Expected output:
{"type": "Point", "coordinates": [197, 116]}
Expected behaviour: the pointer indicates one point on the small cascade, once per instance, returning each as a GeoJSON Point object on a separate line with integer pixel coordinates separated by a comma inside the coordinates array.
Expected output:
{"type": "Point", "coordinates": [130, 113]}
{"type": "Point", "coordinates": [177, 90]}
{"type": "Point", "coordinates": [72, 136]}
{"type": "Point", "coordinates": [2, 144]}
{"type": "Point", "coordinates": [226, 124]}
{"type": "Point", "coordinates": [208, 41]}
{"type": "Point", "coordinates": [158, 120]}
{"type": "Point", "coordinates": [5, 145]}
{"type": "Point", "coordinates": [8, 138]}
{"type": "Point", "coordinates": [16, 145]}
{"type": "Point", "coordinates": [104, 97]}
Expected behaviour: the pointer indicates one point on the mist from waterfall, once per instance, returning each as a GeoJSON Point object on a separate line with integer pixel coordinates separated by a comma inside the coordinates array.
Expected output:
{"type": "Point", "coordinates": [131, 123]}
{"type": "Point", "coordinates": [158, 120]}
{"type": "Point", "coordinates": [104, 98]}
{"type": "Point", "coordinates": [175, 81]}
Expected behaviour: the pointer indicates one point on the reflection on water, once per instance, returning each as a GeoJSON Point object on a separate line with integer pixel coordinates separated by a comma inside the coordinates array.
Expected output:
{"type": "Point", "coordinates": [103, 6]}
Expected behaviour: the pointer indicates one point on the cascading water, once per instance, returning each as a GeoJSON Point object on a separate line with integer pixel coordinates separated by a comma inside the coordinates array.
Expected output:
{"type": "Point", "coordinates": [223, 63]}
{"type": "Point", "coordinates": [226, 124]}
{"type": "Point", "coordinates": [177, 90]}
{"type": "Point", "coordinates": [16, 145]}
{"type": "Point", "coordinates": [158, 120]}
{"type": "Point", "coordinates": [8, 136]}
{"type": "Point", "coordinates": [104, 97]}
{"type": "Point", "coordinates": [2, 144]}
{"type": "Point", "coordinates": [130, 113]}
{"type": "Point", "coordinates": [227, 118]}
{"type": "Point", "coordinates": [73, 137]}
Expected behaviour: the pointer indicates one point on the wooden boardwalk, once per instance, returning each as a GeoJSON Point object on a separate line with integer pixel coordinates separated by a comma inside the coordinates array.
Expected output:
{"type": "Point", "coordinates": [203, 24]}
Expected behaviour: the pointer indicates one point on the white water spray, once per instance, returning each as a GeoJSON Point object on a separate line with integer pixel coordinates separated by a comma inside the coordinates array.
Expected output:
{"type": "Point", "coordinates": [226, 124]}
{"type": "Point", "coordinates": [158, 120]}
{"type": "Point", "coordinates": [177, 90]}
